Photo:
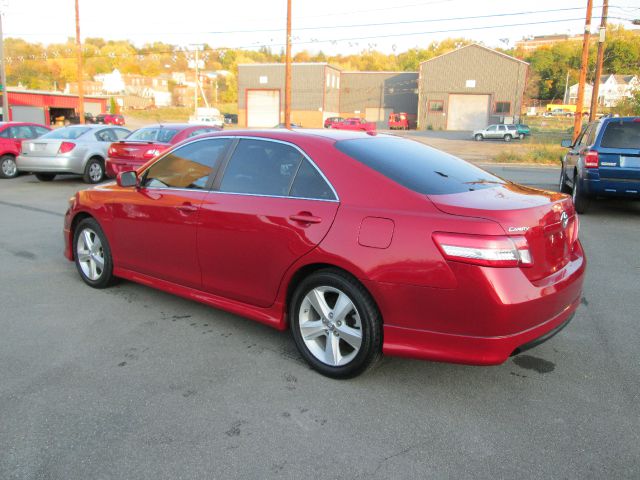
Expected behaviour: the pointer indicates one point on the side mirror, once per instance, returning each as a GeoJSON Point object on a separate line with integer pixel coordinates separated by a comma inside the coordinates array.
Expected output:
{"type": "Point", "coordinates": [127, 179]}
{"type": "Point", "coordinates": [566, 143]}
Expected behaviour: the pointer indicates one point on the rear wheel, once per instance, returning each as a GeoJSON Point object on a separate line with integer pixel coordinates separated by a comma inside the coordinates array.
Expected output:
{"type": "Point", "coordinates": [92, 254]}
{"type": "Point", "coordinates": [580, 199]}
{"type": "Point", "coordinates": [507, 138]}
{"type": "Point", "coordinates": [45, 177]}
{"type": "Point", "coordinates": [479, 137]}
{"type": "Point", "coordinates": [335, 324]}
{"type": "Point", "coordinates": [8, 168]}
{"type": "Point", "coordinates": [93, 171]}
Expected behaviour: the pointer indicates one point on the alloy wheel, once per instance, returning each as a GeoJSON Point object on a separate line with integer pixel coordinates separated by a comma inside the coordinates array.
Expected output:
{"type": "Point", "coordinates": [330, 326]}
{"type": "Point", "coordinates": [90, 254]}
{"type": "Point", "coordinates": [9, 168]}
{"type": "Point", "coordinates": [95, 172]}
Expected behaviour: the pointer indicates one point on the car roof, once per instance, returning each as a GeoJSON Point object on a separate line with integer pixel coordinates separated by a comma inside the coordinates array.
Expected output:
{"type": "Point", "coordinates": [174, 125]}
{"type": "Point", "coordinates": [297, 134]}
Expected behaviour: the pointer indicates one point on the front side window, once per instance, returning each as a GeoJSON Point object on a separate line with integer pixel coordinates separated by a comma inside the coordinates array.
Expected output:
{"type": "Point", "coordinates": [201, 131]}
{"type": "Point", "coordinates": [106, 135]}
{"type": "Point", "coordinates": [190, 166]}
{"type": "Point", "coordinates": [121, 133]}
{"type": "Point", "coordinates": [492, 128]}
{"type": "Point", "coordinates": [261, 167]}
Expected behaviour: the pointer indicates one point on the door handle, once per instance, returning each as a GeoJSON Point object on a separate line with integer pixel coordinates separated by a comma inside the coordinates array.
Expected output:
{"type": "Point", "coordinates": [187, 208]}
{"type": "Point", "coordinates": [305, 217]}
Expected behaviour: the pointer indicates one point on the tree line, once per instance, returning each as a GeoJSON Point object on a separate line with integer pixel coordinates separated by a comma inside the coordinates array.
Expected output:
{"type": "Point", "coordinates": [51, 67]}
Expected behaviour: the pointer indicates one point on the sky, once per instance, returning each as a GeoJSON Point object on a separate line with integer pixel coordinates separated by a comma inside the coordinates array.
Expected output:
{"type": "Point", "coordinates": [333, 26]}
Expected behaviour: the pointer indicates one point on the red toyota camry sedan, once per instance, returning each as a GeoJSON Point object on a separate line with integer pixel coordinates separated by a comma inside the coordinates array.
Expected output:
{"type": "Point", "coordinates": [361, 244]}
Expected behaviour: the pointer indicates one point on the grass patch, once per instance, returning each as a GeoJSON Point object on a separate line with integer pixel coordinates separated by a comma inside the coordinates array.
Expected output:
{"type": "Point", "coordinates": [540, 154]}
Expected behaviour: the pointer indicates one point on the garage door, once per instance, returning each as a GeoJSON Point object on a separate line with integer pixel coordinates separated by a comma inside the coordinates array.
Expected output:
{"type": "Point", "coordinates": [27, 114]}
{"type": "Point", "coordinates": [263, 108]}
{"type": "Point", "coordinates": [468, 112]}
{"type": "Point", "coordinates": [93, 108]}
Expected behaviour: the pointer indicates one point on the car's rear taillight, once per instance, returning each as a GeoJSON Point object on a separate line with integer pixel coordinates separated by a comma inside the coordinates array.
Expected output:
{"type": "Point", "coordinates": [111, 151]}
{"type": "Point", "coordinates": [152, 152]}
{"type": "Point", "coordinates": [66, 147]}
{"type": "Point", "coordinates": [489, 251]}
{"type": "Point", "coordinates": [591, 159]}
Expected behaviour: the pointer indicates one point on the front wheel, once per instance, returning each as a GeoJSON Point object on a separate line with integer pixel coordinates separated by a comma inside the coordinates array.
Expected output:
{"type": "Point", "coordinates": [479, 137]}
{"type": "Point", "coordinates": [563, 181]}
{"type": "Point", "coordinates": [8, 168]}
{"type": "Point", "coordinates": [93, 171]}
{"type": "Point", "coordinates": [507, 138]}
{"type": "Point", "coordinates": [92, 254]}
{"type": "Point", "coordinates": [580, 199]}
{"type": "Point", "coordinates": [335, 324]}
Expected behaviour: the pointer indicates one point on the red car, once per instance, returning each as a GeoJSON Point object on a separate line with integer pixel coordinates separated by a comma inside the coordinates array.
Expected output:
{"type": "Point", "coordinates": [357, 124]}
{"type": "Point", "coordinates": [11, 136]}
{"type": "Point", "coordinates": [402, 121]}
{"type": "Point", "coordinates": [443, 262]}
{"type": "Point", "coordinates": [110, 119]}
{"type": "Point", "coordinates": [148, 142]}
{"type": "Point", "coordinates": [331, 120]}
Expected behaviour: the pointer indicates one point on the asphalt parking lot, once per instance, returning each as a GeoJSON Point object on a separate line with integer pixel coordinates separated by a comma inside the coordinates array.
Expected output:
{"type": "Point", "coordinates": [134, 383]}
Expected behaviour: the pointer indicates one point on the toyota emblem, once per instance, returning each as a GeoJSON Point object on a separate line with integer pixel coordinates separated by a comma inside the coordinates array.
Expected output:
{"type": "Point", "coordinates": [564, 218]}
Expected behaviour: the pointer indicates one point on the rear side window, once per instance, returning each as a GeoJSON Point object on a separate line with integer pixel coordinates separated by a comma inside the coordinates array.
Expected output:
{"type": "Point", "coordinates": [39, 130]}
{"type": "Point", "coordinates": [310, 184]}
{"type": "Point", "coordinates": [621, 135]}
{"type": "Point", "coordinates": [416, 166]}
{"type": "Point", "coordinates": [261, 167]}
{"type": "Point", "coordinates": [190, 166]}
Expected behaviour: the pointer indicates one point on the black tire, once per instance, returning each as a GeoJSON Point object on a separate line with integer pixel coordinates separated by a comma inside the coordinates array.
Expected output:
{"type": "Point", "coordinates": [580, 199]}
{"type": "Point", "coordinates": [93, 171]}
{"type": "Point", "coordinates": [564, 188]}
{"type": "Point", "coordinates": [8, 167]}
{"type": "Point", "coordinates": [45, 177]}
{"type": "Point", "coordinates": [479, 137]}
{"type": "Point", "coordinates": [105, 276]}
{"type": "Point", "coordinates": [370, 328]}
{"type": "Point", "coordinates": [507, 138]}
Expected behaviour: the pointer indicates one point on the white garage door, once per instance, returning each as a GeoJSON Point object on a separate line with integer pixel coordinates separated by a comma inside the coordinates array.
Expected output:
{"type": "Point", "coordinates": [27, 114]}
{"type": "Point", "coordinates": [93, 108]}
{"type": "Point", "coordinates": [468, 112]}
{"type": "Point", "coordinates": [263, 108]}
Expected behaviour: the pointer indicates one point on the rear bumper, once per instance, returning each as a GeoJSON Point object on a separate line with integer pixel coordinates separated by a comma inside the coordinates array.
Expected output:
{"type": "Point", "coordinates": [115, 166]}
{"type": "Point", "coordinates": [612, 187]}
{"type": "Point", "coordinates": [57, 164]}
{"type": "Point", "coordinates": [492, 314]}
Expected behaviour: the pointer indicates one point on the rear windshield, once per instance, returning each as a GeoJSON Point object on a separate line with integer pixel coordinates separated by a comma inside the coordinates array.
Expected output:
{"type": "Point", "coordinates": [621, 135]}
{"type": "Point", "coordinates": [416, 166]}
{"type": "Point", "coordinates": [162, 135]}
{"type": "Point", "coordinates": [69, 133]}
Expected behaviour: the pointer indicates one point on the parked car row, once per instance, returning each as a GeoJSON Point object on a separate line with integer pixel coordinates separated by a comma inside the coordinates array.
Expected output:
{"type": "Point", "coordinates": [93, 151]}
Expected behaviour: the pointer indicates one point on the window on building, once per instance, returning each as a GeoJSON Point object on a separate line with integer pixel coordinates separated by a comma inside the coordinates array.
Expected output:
{"type": "Point", "coordinates": [503, 107]}
{"type": "Point", "coordinates": [436, 106]}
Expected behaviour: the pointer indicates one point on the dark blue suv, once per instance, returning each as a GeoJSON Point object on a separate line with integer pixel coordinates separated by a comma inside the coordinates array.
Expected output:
{"type": "Point", "coordinates": [604, 161]}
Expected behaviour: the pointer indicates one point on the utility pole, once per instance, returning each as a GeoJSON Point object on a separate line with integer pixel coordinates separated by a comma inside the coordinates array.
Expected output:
{"type": "Point", "coordinates": [596, 81]}
{"type": "Point", "coordinates": [287, 77]}
{"type": "Point", "coordinates": [80, 76]}
{"type": "Point", "coordinates": [197, 70]}
{"type": "Point", "coordinates": [565, 99]}
{"type": "Point", "coordinates": [3, 78]}
{"type": "Point", "coordinates": [577, 121]}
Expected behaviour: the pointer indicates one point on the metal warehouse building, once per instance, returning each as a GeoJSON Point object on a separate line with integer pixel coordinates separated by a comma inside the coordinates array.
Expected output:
{"type": "Point", "coordinates": [319, 91]}
{"type": "Point", "coordinates": [44, 107]}
{"type": "Point", "coordinates": [469, 88]}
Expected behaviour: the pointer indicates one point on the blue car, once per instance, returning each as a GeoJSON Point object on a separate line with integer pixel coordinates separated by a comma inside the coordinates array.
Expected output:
{"type": "Point", "coordinates": [603, 161]}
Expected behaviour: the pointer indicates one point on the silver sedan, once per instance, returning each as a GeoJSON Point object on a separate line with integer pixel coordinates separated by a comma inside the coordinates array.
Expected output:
{"type": "Point", "coordinates": [79, 149]}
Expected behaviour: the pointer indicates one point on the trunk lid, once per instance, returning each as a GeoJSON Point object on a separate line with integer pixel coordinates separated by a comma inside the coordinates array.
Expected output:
{"type": "Point", "coordinates": [137, 151]}
{"type": "Point", "coordinates": [546, 219]}
{"type": "Point", "coordinates": [42, 147]}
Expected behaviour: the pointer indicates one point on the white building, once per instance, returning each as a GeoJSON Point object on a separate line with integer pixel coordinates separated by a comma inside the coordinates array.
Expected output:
{"type": "Point", "coordinates": [613, 88]}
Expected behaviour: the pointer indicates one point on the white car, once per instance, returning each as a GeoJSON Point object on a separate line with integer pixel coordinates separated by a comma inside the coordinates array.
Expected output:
{"type": "Point", "coordinates": [504, 132]}
{"type": "Point", "coordinates": [78, 149]}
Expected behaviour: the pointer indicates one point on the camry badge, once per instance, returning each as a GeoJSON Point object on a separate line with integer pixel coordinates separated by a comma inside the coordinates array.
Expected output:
{"type": "Point", "coordinates": [518, 229]}
{"type": "Point", "coordinates": [564, 218]}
